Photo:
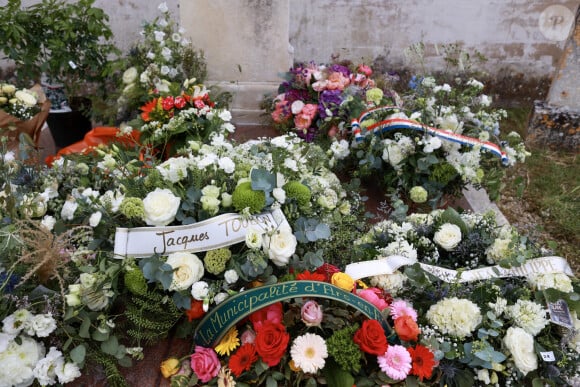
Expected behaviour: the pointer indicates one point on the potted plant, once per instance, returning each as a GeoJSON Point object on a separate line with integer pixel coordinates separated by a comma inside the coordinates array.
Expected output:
{"type": "Point", "coordinates": [66, 46]}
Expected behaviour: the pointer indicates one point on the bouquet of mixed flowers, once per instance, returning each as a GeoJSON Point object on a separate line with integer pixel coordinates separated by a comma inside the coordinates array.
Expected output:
{"type": "Point", "coordinates": [158, 64]}
{"type": "Point", "coordinates": [318, 101]}
{"type": "Point", "coordinates": [173, 120]}
{"type": "Point", "coordinates": [313, 341]}
{"type": "Point", "coordinates": [21, 111]}
{"type": "Point", "coordinates": [488, 307]}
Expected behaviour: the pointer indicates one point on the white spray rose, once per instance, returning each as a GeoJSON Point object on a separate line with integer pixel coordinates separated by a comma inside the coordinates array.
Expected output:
{"type": "Point", "coordinates": [160, 207]}
{"type": "Point", "coordinates": [254, 238]}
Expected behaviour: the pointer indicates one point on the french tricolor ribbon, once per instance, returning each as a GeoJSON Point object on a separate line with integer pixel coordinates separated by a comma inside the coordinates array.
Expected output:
{"type": "Point", "coordinates": [401, 123]}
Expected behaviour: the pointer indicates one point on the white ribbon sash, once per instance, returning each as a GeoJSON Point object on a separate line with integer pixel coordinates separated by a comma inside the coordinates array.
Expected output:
{"type": "Point", "coordinates": [214, 233]}
{"type": "Point", "coordinates": [389, 265]}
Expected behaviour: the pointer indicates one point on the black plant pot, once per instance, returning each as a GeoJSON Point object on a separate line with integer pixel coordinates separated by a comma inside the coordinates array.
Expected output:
{"type": "Point", "coordinates": [70, 127]}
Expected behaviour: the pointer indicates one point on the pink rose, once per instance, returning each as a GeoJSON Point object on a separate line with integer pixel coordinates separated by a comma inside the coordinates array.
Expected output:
{"type": "Point", "coordinates": [366, 70]}
{"type": "Point", "coordinates": [375, 297]}
{"type": "Point", "coordinates": [311, 314]}
{"type": "Point", "coordinates": [302, 121]}
{"type": "Point", "coordinates": [310, 110]}
{"type": "Point", "coordinates": [205, 363]}
{"type": "Point", "coordinates": [337, 81]}
{"type": "Point", "coordinates": [248, 337]}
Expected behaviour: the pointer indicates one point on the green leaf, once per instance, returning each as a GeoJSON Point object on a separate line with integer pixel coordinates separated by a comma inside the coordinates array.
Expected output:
{"type": "Point", "coordinates": [78, 354]}
{"type": "Point", "coordinates": [84, 329]}
{"type": "Point", "coordinates": [452, 216]}
{"type": "Point", "coordinates": [336, 376]}
{"type": "Point", "coordinates": [111, 346]}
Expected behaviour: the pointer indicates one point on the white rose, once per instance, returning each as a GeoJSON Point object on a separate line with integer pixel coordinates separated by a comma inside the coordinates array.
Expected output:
{"type": "Point", "coordinates": [521, 345]}
{"type": "Point", "coordinates": [448, 236]}
{"type": "Point", "coordinates": [160, 207]}
{"type": "Point", "coordinates": [211, 191]}
{"type": "Point", "coordinates": [188, 269]}
{"type": "Point", "coordinates": [280, 246]}
{"type": "Point", "coordinates": [95, 219]}
{"type": "Point", "coordinates": [26, 97]}
{"type": "Point", "coordinates": [226, 199]}
{"type": "Point", "coordinates": [130, 75]}
{"type": "Point", "coordinates": [227, 165]}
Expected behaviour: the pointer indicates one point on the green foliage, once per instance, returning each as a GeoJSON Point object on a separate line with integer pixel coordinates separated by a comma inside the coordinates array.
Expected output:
{"type": "Point", "coordinates": [108, 362]}
{"type": "Point", "coordinates": [342, 348]}
{"type": "Point", "coordinates": [70, 42]}
{"type": "Point", "coordinates": [150, 316]}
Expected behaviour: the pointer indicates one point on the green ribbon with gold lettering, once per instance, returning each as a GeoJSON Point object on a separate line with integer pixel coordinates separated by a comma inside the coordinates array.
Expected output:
{"type": "Point", "coordinates": [234, 309]}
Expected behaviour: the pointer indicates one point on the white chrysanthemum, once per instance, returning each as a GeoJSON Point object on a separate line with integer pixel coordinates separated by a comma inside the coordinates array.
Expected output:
{"type": "Point", "coordinates": [392, 283]}
{"type": "Point", "coordinates": [448, 236]}
{"type": "Point", "coordinates": [187, 269]}
{"type": "Point", "coordinates": [200, 290]}
{"type": "Point", "coordinates": [558, 281]}
{"type": "Point", "coordinates": [454, 316]}
{"type": "Point", "coordinates": [528, 315]}
{"type": "Point", "coordinates": [309, 352]}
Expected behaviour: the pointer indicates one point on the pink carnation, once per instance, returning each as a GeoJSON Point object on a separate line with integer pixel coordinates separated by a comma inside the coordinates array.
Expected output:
{"type": "Point", "coordinates": [205, 363]}
{"type": "Point", "coordinates": [374, 296]}
{"type": "Point", "coordinates": [396, 362]}
{"type": "Point", "coordinates": [401, 308]}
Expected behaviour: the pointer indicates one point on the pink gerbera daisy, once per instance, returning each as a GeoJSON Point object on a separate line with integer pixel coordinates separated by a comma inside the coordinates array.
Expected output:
{"type": "Point", "coordinates": [396, 362]}
{"type": "Point", "coordinates": [401, 308]}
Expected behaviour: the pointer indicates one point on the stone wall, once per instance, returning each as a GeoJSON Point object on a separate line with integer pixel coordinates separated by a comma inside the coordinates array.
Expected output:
{"type": "Point", "coordinates": [249, 42]}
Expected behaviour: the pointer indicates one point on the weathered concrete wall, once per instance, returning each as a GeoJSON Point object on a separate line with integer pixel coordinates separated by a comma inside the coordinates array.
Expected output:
{"type": "Point", "coordinates": [522, 35]}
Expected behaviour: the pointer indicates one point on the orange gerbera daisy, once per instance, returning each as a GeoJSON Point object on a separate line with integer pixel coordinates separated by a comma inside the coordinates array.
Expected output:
{"type": "Point", "coordinates": [147, 109]}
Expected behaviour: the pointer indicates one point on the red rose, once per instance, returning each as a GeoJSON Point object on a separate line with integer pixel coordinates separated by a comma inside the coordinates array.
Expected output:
{"type": "Point", "coordinates": [273, 313]}
{"type": "Point", "coordinates": [371, 338]}
{"type": "Point", "coordinates": [406, 328]}
{"type": "Point", "coordinates": [271, 342]}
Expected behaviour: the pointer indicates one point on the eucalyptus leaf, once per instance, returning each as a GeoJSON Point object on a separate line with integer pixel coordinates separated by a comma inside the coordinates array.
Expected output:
{"type": "Point", "coordinates": [271, 382]}
{"type": "Point", "coordinates": [84, 328]}
{"type": "Point", "coordinates": [110, 346]}
{"type": "Point", "coordinates": [78, 354]}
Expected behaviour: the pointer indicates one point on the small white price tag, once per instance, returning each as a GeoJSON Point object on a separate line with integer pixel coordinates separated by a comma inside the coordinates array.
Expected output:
{"type": "Point", "coordinates": [548, 356]}
{"type": "Point", "coordinates": [72, 64]}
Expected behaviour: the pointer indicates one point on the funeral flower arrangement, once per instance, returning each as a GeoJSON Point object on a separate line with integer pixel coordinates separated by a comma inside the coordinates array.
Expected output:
{"type": "Point", "coordinates": [317, 101]}
{"type": "Point", "coordinates": [313, 341]}
{"type": "Point", "coordinates": [482, 296]}
{"type": "Point", "coordinates": [58, 232]}
{"type": "Point", "coordinates": [438, 139]}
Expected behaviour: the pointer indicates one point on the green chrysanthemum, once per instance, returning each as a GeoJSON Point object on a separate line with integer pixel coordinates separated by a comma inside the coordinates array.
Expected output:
{"type": "Point", "coordinates": [215, 260]}
{"type": "Point", "coordinates": [299, 192]}
{"type": "Point", "coordinates": [245, 197]}
{"type": "Point", "coordinates": [132, 208]}
{"type": "Point", "coordinates": [135, 282]}
{"type": "Point", "coordinates": [443, 173]}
